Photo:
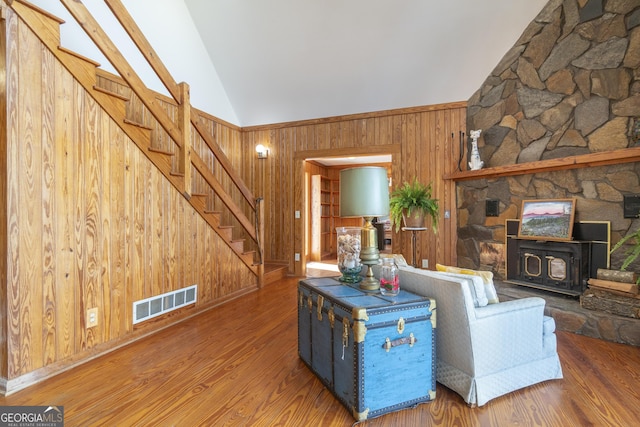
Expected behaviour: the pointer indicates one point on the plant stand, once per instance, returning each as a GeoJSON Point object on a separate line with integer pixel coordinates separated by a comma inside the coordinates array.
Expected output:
{"type": "Point", "coordinates": [414, 232]}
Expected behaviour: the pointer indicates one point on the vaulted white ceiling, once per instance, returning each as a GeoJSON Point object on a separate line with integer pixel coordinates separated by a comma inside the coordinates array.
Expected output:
{"type": "Point", "coordinates": [255, 62]}
{"type": "Point", "coordinates": [286, 60]}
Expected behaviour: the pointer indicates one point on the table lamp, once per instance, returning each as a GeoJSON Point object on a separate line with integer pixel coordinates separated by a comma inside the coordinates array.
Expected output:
{"type": "Point", "coordinates": [364, 192]}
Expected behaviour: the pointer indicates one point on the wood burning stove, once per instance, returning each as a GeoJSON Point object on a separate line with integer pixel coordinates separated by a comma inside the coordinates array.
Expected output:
{"type": "Point", "coordinates": [558, 266]}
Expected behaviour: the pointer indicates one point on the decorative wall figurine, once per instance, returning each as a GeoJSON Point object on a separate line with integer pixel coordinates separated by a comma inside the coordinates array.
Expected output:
{"type": "Point", "coordinates": [475, 163]}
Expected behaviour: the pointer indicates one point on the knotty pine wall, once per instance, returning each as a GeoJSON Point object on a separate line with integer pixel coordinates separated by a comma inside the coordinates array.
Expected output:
{"type": "Point", "coordinates": [86, 221]}
{"type": "Point", "coordinates": [420, 140]}
{"type": "Point", "coordinates": [227, 136]}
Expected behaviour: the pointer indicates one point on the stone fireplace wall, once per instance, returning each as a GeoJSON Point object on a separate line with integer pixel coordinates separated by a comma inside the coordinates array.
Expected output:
{"type": "Point", "coordinates": [569, 86]}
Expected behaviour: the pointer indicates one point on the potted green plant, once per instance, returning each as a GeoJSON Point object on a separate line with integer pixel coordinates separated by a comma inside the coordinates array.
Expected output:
{"type": "Point", "coordinates": [410, 201]}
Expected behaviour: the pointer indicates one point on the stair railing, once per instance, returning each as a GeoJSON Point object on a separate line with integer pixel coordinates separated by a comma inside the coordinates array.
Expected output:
{"type": "Point", "coordinates": [188, 116]}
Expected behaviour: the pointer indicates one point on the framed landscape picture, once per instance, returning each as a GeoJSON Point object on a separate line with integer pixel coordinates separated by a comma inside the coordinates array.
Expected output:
{"type": "Point", "coordinates": [549, 219]}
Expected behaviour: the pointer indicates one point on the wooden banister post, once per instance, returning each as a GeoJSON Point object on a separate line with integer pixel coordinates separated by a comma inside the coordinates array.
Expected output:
{"type": "Point", "coordinates": [184, 117]}
{"type": "Point", "coordinates": [260, 233]}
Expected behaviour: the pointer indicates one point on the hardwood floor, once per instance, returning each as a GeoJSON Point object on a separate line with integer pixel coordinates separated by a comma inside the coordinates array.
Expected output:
{"type": "Point", "coordinates": [237, 365]}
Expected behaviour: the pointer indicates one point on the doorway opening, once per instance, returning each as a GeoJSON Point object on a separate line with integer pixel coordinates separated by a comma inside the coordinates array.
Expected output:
{"type": "Point", "coordinates": [322, 179]}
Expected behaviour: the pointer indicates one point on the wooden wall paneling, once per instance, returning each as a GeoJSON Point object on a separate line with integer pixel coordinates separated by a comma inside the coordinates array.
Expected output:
{"type": "Point", "coordinates": [167, 241]}
{"type": "Point", "coordinates": [433, 244]}
{"type": "Point", "coordinates": [271, 171]}
{"type": "Point", "coordinates": [78, 215]}
{"type": "Point", "coordinates": [197, 242]}
{"type": "Point", "coordinates": [220, 271]}
{"type": "Point", "coordinates": [437, 251]}
{"type": "Point", "coordinates": [87, 221]}
{"type": "Point", "coordinates": [196, 146]}
{"type": "Point", "coordinates": [457, 123]}
{"type": "Point", "coordinates": [302, 136]}
{"type": "Point", "coordinates": [254, 173]}
{"type": "Point", "coordinates": [255, 169]}
{"type": "Point", "coordinates": [11, 349]}
{"type": "Point", "coordinates": [406, 167]}
{"type": "Point", "coordinates": [240, 165]}
{"type": "Point", "coordinates": [288, 186]}
{"type": "Point", "coordinates": [444, 143]}
{"type": "Point", "coordinates": [407, 135]}
{"type": "Point", "coordinates": [411, 168]}
{"type": "Point", "coordinates": [383, 131]}
{"type": "Point", "coordinates": [30, 207]}
{"type": "Point", "coordinates": [157, 239]}
{"type": "Point", "coordinates": [299, 226]}
{"type": "Point", "coordinates": [284, 248]}
{"type": "Point", "coordinates": [92, 295]}
{"type": "Point", "coordinates": [206, 280]}
{"type": "Point", "coordinates": [145, 204]}
{"type": "Point", "coordinates": [273, 175]}
{"type": "Point", "coordinates": [198, 237]}
{"type": "Point", "coordinates": [4, 240]}
{"type": "Point", "coordinates": [49, 245]}
{"type": "Point", "coordinates": [109, 233]}
{"type": "Point", "coordinates": [216, 269]}
{"type": "Point", "coordinates": [128, 241]}
{"type": "Point", "coordinates": [116, 316]}
{"type": "Point", "coordinates": [206, 276]}
{"type": "Point", "coordinates": [218, 172]}
{"type": "Point", "coordinates": [322, 137]}
{"type": "Point", "coordinates": [138, 212]}
{"type": "Point", "coordinates": [104, 226]}
{"type": "Point", "coordinates": [182, 246]}
{"type": "Point", "coordinates": [173, 230]}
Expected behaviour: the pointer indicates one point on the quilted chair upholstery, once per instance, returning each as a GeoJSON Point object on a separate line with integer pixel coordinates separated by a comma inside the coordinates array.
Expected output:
{"type": "Point", "coordinates": [487, 351]}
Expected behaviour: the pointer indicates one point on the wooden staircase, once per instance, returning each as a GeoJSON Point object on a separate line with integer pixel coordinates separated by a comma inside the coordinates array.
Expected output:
{"type": "Point", "coordinates": [175, 159]}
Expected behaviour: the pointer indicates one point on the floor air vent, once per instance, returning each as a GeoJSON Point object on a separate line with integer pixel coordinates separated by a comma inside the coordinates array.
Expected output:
{"type": "Point", "coordinates": [160, 304]}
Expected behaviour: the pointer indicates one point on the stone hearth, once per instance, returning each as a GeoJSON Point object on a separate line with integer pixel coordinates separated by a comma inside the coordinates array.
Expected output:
{"type": "Point", "coordinates": [571, 317]}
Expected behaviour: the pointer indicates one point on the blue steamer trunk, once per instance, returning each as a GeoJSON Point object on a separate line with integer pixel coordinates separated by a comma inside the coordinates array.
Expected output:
{"type": "Point", "coordinates": [376, 354]}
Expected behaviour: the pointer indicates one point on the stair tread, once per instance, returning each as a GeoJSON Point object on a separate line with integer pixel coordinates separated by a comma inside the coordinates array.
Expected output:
{"type": "Point", "coordinates": [136, 123]}
{"type": "Point", "coordinates": [162, 151]}
{"type": "Point", "coordinates": [117, 95]}
{"type": "Point", "coordinates": [79, 56]}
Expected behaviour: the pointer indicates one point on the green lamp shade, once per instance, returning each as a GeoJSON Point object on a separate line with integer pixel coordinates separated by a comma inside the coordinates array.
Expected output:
{"type": "Point", "coordinates": [364, 192]}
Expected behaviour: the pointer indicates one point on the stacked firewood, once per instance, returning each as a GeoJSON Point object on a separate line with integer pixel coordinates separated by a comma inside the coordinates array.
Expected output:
{"type": "Point", "coordinates": [613, 291]}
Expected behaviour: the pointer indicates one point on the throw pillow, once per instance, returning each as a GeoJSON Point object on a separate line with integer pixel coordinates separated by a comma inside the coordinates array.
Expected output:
{"type": "Point", "coordinates": [475, 285]}
{"type": "Point", "coordinates": [487, 278]}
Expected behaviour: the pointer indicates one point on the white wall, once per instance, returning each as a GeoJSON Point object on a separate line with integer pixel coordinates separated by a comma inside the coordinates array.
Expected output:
{"type": "Point", "coordinates": [169, 28]}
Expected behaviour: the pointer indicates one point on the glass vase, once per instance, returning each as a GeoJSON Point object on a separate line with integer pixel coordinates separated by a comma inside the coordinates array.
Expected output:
{"type": "Point", "coordinates": [349, 246]}
{"type": "Point", "coordinates": [389, 279]}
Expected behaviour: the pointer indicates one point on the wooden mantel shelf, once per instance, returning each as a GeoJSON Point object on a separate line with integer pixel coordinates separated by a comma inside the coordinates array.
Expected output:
{"type": "Point", "coordinates": [627, 155]}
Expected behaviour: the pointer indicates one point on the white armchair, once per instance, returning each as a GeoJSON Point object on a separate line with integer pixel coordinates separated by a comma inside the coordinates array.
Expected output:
{"type": "Point", "coordinates": [483, 352]}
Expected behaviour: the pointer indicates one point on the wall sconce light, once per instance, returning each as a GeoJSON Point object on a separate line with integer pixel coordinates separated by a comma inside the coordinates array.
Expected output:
{"type": "Point", "coordinates": [263, 152]}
